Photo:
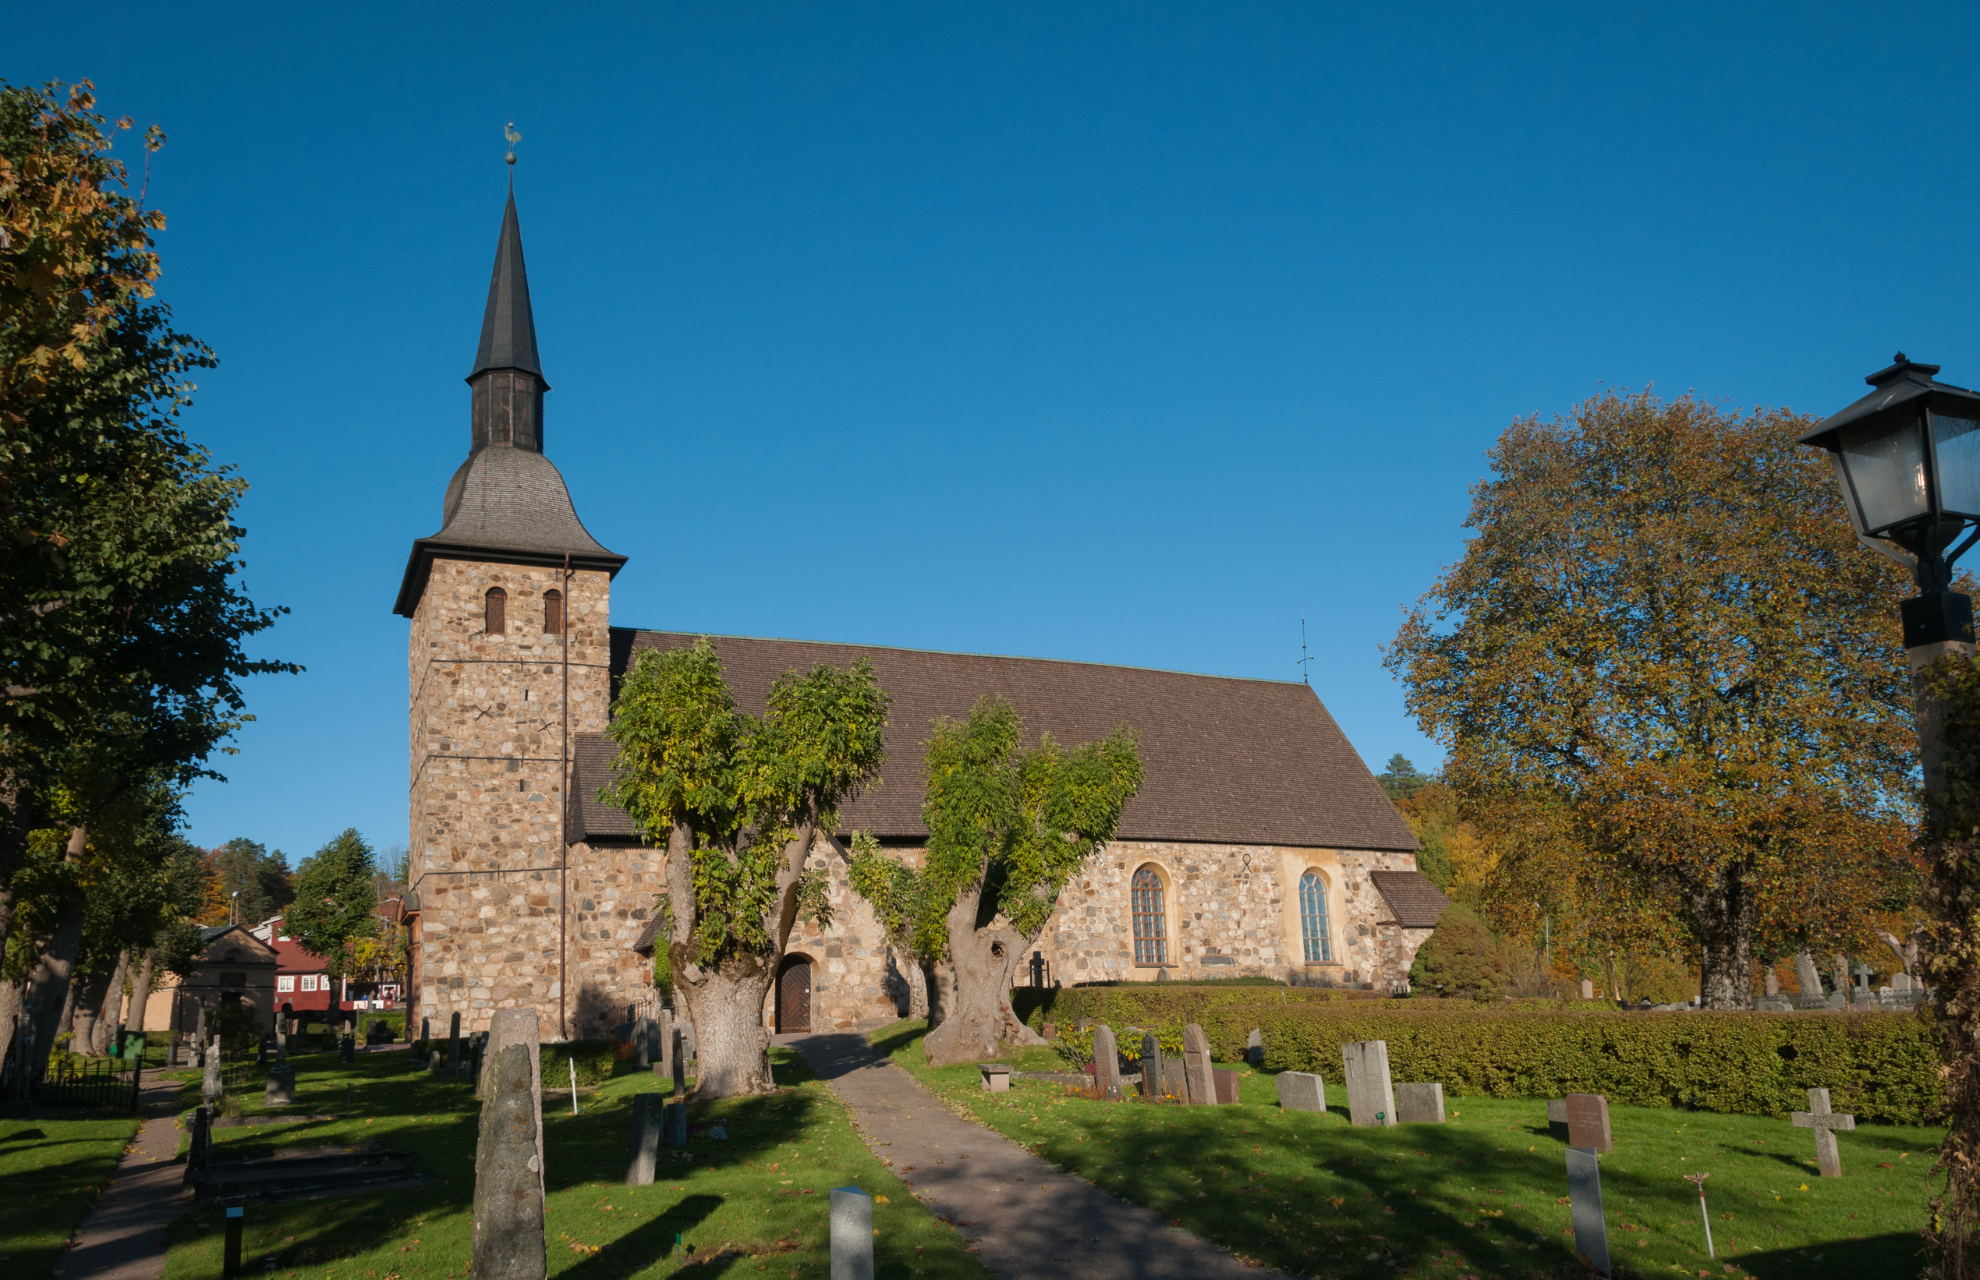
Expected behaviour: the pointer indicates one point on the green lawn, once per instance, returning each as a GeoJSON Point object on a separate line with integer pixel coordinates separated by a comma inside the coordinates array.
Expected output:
{"type": "Point", "coordinates": [1483, 1193]}
{"type": "Point", "coordinates": [50, 1173]}
{"type": "Point", "coordinates": [754, 1204]}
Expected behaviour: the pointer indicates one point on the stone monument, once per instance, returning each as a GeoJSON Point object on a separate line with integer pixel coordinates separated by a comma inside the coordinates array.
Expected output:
{"type": "Point", "coordinates": [1106, 1063]}
{"type": "Point", "coordinates": [1196, 1066]}
{"type": "Point", "coordinates": [852, 1234]}
{"type": "Point", "coordinates": [1591, 1227]}
{"type": "Point", "coordinates": [1588, 1122]}
{"type": "Point", "coordinates": [1825, 1123]}
{"type": "Point", "coordinates": [1151, 1066]}
{"type": "Point", "coordinates": [508, 1155]}
{"type": "Point", "coordinates": [1420, 1103]}
{"type": "Point", "coordinates": [213, 1087]}
{"type": "Point", "coordinates": [648, 1114]}
{"type": "Point", "coordinates": [1301, 1091]}
{"type": "Point", "coordinates": [1371, 1095]}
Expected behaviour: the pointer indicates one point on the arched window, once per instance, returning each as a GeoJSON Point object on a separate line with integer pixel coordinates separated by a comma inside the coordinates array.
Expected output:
{"type": "Point", "coordinates": [495, 610]}
{"type": "Point", "coordinates": [1151, 939]}
{"type": "Point", "coordinates": [1313, 919]}
{"type": "Point", "coordinates": [553, 613]}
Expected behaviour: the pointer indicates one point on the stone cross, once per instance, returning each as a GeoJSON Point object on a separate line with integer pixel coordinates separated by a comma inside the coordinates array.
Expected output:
{"type": "Point", "coordinates": [646, 1119]}
{"type": "Point", "coordinates": [1588, 1122]}
{"type": "Point", "coordinates": [1151, 1066]}
{"type": "Point", "coordinates": [508, 1156]}
{"type": "Point", "coordinates": [1371, 1096]}
{"type": "Point", "coordinates": [1825, 1123]}
{"type": "Point", "coordinates": [1420, 1103]}
{"type": "Point", "coordinates": [852, 1234]}
{"type": "Point", "coordinates": [1301, 1091]}
{"type": "Point", "coordinates": [213, 1088]}
{"type": "Point", "coordinates": [1106, 1063]}
{"type": "Point", "coordinates": [1196, 1066]}
{"type": "Point", "coordinates": [1591, 1227]}
{"type": "Point", "coordinates": [454, 1047]}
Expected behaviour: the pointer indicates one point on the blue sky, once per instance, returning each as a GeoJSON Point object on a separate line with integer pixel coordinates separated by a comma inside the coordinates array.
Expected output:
{"type": "Point", "coordinates": [1119, 333]}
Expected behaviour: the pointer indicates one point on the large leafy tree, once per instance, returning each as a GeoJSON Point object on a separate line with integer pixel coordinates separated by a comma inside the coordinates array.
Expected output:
{"type": "Point", "coordinates": [1008, 826]}
{"type": "Point", "coordinates": [739, 802]}
{"type": "Point", "coordinates": [248, 868]}
{"type": "Point", "coordinates": [1672, 684]}
{"type": "Point", "coordinates": [121, 620]}
{"type": "Point", "coordinates": [336, 903]}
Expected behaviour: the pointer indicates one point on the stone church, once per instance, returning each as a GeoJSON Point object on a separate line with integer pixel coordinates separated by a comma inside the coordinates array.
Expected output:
{"type": "Point", "coordinates": [1259, 843]}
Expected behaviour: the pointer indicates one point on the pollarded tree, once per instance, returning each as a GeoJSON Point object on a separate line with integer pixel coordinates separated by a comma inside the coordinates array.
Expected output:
{"type": "Point", "coordinates": [738, 802]}
{"type": "Point", "coordinates": [1664, 635]}
{"type": "Point", "coordinates": [1007, 828]}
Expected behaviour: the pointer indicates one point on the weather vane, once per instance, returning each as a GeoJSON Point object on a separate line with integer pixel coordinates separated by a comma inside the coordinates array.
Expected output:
{"type": "Point", "coordinates": [509, 132]}
{"type": "Point", "coordinates": [1304, 656]}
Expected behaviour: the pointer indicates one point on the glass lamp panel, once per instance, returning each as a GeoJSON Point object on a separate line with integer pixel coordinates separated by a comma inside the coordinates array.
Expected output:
{"type": "Point", "coordinates": [1886, 463]}
{"type": "Point", "coordinates": [1956, 448]}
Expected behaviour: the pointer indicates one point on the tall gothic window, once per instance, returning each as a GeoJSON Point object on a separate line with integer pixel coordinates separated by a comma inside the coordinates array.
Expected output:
{"type": "Point", "coordinates": [1151, 940]}
{"type": "Point", "coordinates": [495, 610]}
{"type": "Point", "coordinates": [1313, 919]}
{"type": "Point", "coordinates": [553, 613]}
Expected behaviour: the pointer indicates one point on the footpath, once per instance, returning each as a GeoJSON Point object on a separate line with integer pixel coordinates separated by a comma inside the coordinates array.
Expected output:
{"type": "Point", "coordinates": [123, 1238]}
{"type": "Point", "coordinates": [1025, 1219]}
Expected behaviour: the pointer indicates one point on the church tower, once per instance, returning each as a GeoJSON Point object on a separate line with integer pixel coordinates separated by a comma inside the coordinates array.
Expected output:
{"type": "Point", "coordinates": [509, 664]}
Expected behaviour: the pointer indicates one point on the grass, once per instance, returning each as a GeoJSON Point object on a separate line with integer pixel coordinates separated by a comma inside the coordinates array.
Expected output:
{"type": "Point", "coordinates": [1483, 1194]}
{"type": "Point", "coordinates": [50, 1174]}
{"type": "Point", "coordinates": [752, 1205]}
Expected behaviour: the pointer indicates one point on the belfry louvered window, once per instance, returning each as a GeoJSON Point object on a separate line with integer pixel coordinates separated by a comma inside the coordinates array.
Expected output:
{"type": "Point", "coordinates": [1313, 919]}
{"type": "Point", "coordinates": [553, 613]}
{"type": "Point", "coordinates": [495, 612]}
{"type": "Point", "coordinates": [1151, 940]}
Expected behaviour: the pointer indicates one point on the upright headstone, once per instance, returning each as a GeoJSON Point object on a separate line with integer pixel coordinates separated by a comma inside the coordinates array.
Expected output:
{"type": "Point", "coordinates": [1588, 1121]}
{"type": "Point", "coordinates": [1420, 1103]}
{"type": "Point", "coordinates": [480, 1044]}
{"type": "Point", "coordinates": [1773, 987]}
{"type": "Point", "coordinates": [677, 1123]}
{"type": "Point", "coordinates": [1106, 1063]}
{"type": "Point", "coordinates": [213, 1087]}
{"type": "Point", "coordinates": [199, 1038]}
{"type": "Point", "coordinates": [433, 1063]}
{"type": "Point", "coordinates": [282, 1043]}
{"type": "Point", "coordinates": [648, 1114]}
{"type": "Point", "coordinates": [852, 1234]}
{"type": "Point", "coordinates": [347, 1047]}
{"type": "Point", "coordinates": [1151, 1066]}
{"type": "Point", "coordinates": [1557, 1125]}
{"type": "Point", "coordinates": [1226, 1085]}
{"type": "Point", "coordinates": [454, 1046]}
{"type": "Point", "coordinates": [425, 1032]}
{"type": "Point", "coordinates": [1591, 1228]}
{"type": "Point", "coordinates": [679, 1064]}
{"type": "Point", "coordinates": [508, 1155]}
{"type": "Point", "coordinates": [1900, 982]}
{"type": "Point", "coordinates": [1587, 988]}
{"type": "Point", "coordinates": [1825, 1123]}
{"type": "Point", "coordinates": [1806, 974]}
{"type": "Point", "coordinates": [199, 1143]}
{"type": "Point", "coordinates": [1254, 1048]}
{"type": "Point", "coordinates": [1371, 1096]}
{"type": "Point", "coordinates": [642, 1041]}
{"type": "Point", "coordinates": [1196, 1066]}
{"type": "Point", "coordinates": [280, 1091]}
{"type": "Point", "coordinates": [663, 1064]}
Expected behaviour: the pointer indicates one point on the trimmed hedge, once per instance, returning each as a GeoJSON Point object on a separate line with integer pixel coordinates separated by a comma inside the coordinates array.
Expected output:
{"type": "Point", "coordinates": [594, 1063]}
{"type": "Point", "coordinates": [1879, 1066]}
{"type": "Point", "coordinates": [1150, 1003]}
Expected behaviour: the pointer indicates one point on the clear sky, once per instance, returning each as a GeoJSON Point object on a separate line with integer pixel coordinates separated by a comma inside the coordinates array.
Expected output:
{"type": "Point", "coordinates": [1120, 333]}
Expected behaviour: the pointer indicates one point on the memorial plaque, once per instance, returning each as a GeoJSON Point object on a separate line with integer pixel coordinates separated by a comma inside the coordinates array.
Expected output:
{"type": "Point", "coordinates": [1588, 1121]}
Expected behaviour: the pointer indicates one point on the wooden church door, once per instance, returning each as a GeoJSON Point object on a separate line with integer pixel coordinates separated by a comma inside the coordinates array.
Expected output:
{"type": "Point", "coordinates": [794, 995]}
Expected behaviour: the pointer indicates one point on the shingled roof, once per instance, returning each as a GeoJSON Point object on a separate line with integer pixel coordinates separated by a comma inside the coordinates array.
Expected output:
{"type": "Point", "coordinates": [1229, 760]}
{"type": "Point", "coordinates": [1415, 901]}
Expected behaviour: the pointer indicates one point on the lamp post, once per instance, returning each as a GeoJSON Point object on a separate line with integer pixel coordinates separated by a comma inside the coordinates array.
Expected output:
{"type": "Point", "coordinates": [1908, 459]}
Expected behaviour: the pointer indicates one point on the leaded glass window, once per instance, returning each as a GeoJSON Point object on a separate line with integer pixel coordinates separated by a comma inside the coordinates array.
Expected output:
{"type": "Point", "coordinates": [1313, 919]}
{"type": "Point", "coordinates": [1151, 939]}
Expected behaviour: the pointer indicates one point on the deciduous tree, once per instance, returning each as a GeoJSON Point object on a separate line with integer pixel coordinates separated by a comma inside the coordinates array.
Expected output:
{"type": "Point", "coordinates": [1664, 641]}
{"type": "Point", "coordinates": [336, 902]}
{"type": "Point", "coordinates": [739, 802]}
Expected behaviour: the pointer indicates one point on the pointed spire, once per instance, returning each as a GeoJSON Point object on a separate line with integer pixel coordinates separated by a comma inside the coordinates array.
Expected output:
{"type": "Point", "coordinates": [508, 328]}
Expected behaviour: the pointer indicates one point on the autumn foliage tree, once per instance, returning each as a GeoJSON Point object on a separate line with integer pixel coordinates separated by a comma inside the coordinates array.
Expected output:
{"type": "Point", "coordinates": [739, 802]}
{"type": "Point", "coordinates": [1672, 685]}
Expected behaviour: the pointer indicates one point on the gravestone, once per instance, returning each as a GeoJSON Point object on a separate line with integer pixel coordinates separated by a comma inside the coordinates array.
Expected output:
{"type": "Point", "coordinates": [677, 1123]}
{"type": "Point", "coordinates": [1557, 1125]}
{"type": "Point", "coordinates": [1420, 1103]}
{"type": "Point", "coordinates": [1591, 1227]}
{"type": "Point", "coordinates": [1587, 988]}
{"type": "Point", "coordinates": [1773, 987]}
{"type": "Point", "coordinates": [679, 1063]}
{"type": "Point", "coordinates": [280, 1090]}
{"type": "Point", "coordinates": [1226, 1085]}
{"type": "Point", "coordinates": [1588, 1121]}
{"type": "Point", "coordinates": [1196, 1066]}
{"type": "Point", "coordinates": [347, 1047]}
{"type": "Point", "coordinates": [199, 1038]}
{"type": "Point", "coordinates": [648, 1114]}
{"type": "Point", "coordinates": [1151, 1066]}
{"type": "Point", "coordinates": [1825, 1123]}
{"type": "Point", "coordinates": [852, 1234]}
{"type": "Point", "coordinates": [642, 1041]}
{"type": "Point", "coordinates": [212, 1087]}
{"type": "Point", "coordinates": [480, 1043]}
{"type": "Point", "coordinates": [1805, 973]}
{"type": "Point", "coordinates": [663, 1062]}
{"type": "Point", "coordinates": [508, 1155]}
{"type": "Point", "coordinates": [1106, 1063]}
{"type": "Point", "coordinates": [1175, 1080]}
{"type": "Point", "coordinates": [1254, 1048]}
{"type": "Point", "coordinates": [281, 1044]}
{"type": "Point", "coordinates": [1371, 1096]}
{"type": "Point", "coordinates": [433, 1063]}
{"type": "Point", "coordinates": [1900, 982]}
{"type": "Point", "coordinates": [425, 1033]}
{"type": "Point", "coordinates": [454, 1047]}
{"type": "Point", "coordinates": [1301, 1091]}
{"type": "Point", "coordinates": [199, 1143]}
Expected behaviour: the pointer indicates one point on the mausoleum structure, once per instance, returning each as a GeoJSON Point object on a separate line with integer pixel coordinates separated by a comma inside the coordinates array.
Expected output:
{"type": "Point", "coordinates": [1259, 843]}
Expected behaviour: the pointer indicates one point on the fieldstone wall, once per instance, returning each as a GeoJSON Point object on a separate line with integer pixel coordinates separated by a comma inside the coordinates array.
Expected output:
{"type": "Point", "coordinates": [851, 965]}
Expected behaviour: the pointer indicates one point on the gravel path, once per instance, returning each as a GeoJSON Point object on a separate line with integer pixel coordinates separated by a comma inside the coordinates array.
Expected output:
{"type": "Point", "coordinates": [1026, 1219]}
{"type": "Point", "coordinates": [123, 1238]}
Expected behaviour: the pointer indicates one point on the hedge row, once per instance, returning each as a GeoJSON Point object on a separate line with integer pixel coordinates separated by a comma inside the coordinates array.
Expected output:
{"type": "Point", "coordinates": [1879, 1066]}
{"type": "Point", "coordinates": [1151, 1003]}
{"type": "Point", "coordinates": [593, 1058]}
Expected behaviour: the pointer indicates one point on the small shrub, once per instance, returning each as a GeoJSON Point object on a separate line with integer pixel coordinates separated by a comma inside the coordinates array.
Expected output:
{"type": "Point", "coordinates": [593, 1057]}
{"type": "Point", "coordinates": [1157, 1003]}
{"type": "Point", "coordinates": [1458, 958]}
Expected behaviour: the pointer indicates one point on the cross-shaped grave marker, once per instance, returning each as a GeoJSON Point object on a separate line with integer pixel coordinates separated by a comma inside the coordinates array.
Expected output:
{"type": "Point", "coordinates": [1825, 1123]}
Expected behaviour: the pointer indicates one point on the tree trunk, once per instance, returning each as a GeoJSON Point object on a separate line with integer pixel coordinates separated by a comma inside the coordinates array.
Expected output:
{"type": "Point", "coordinates": [938, 987]}
{"type": "Point", "coordinates": [986, 961]}
{"type": "Point", "coordinates": [725, 1003]}
{"type": "Point", "coordinates": [13, 1003]}
{"type": "Point", "coordinates": [916, 979]}
{"type": "Point", "coordinates": [141, 992]}
{"type": "Point", "coordinates": [91, 995]}
{"type": "Point", "coordinates": [1723, 911]}
{"type": "Point", "coordinates": [111, 1017]}
{"type": "Point", "coordinates": [16, 825]}
{"type": "Point", "coordinates": [49, 981]}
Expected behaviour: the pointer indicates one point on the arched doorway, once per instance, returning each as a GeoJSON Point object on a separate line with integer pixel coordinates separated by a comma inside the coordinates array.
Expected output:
{"type": "Point", "coordinates": [794, 994]}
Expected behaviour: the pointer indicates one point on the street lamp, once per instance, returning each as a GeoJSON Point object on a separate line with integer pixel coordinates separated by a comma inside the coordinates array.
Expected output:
{"type": "Point", "coordinates": [1908, 459]}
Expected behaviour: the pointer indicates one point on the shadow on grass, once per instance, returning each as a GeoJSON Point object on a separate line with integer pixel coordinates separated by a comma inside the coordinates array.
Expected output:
{"type": "Point", "coordinates": [641, 1247]}
{"type": "Point", "coordinates": [1897, 1252]}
